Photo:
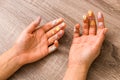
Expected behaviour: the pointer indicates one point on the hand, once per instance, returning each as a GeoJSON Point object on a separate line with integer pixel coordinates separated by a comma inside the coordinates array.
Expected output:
{"type": "Point", "coordinates": [35, 43]}
{"type": "Point", "coordinates": [86, 47]}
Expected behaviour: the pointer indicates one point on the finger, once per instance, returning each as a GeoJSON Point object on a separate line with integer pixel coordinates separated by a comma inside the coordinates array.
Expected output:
{"type": "Point", "coordinates": [33, 25]}
{"type": "Point", "coordinates": [101, 36]}
{"type": "Point", "coordinates": [92, 23]}
{"type": "Point", "coordinates": [100, 20]}
{"type": "Point", "coordinates": [101, 24]}
{"type": "Point", "coordinates": [56, 29]}
{"type": "Point", "coordinates": [53, 47]}
{"type": "Point", "coordinates": [57, 36]}
{"type": "Point", "coordinates": [76, 31]}
{"type": "Point", "coordinates": [85, 25]}
{"type": "Point", "coordinates": [52, 24]}
{"type": "Point", "coordinates": [103, 32]}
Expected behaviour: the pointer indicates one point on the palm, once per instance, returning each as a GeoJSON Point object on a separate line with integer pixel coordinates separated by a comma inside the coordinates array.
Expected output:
{"type": "Point", "coordinates": [87, 41]}
{"type": "Point", "coordinates": [86, 48]}
{"type": "Point", "coordinates": [34, 44]}
{"type": "Point", "coordinates": [39, 44]}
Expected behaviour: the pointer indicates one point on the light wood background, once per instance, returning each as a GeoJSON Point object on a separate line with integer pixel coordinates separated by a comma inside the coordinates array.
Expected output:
{"type": "Point", "coordinates": [15, 15]}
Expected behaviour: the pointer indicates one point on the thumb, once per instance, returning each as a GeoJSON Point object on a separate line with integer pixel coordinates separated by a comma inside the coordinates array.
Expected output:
{"type": "Point", "coordinates": [105, 30]}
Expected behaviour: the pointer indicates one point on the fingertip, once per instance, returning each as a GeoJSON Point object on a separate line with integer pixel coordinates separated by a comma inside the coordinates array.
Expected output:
{"type": "Point", "coordinates": [32, 26]}
{"type": "Point", "coordinates": [85, 18]}
{"type": "Point", "coordinates": [101, 23]}
{"type": "Point", "coordinates": [55, 22]}
{"type": "Point", "coordinates": [62, 31]}
{"type": "Point", "coordinates": [36, 22]}
{"type": "Point", "coordinates": [53, 47]}
{"type": "Point", "coordinates": [63, 25]}
{"type": "Point", "coordinates": [90, 13]}
{"type": "Point", "coordinates": [56, 43]}
{"type": "Point", "coordinates": [77, 26]}
{"type": "Point", "coordinates": [105, 30]}
{"type": "Point", "coordinates": [38, 19]}
{"type": "Point", "coordinates": [100, 17]}
{"type": "Point", "coordinates": [100, 14]}
{"type": "Point", "coordinates": [60, 34]}
{"type": "Point", "coordinates": [60, 19]}
{"type": "Point", "coordinates": [76, 31]}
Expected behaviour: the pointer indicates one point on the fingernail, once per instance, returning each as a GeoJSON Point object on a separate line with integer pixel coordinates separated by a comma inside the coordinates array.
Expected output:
{"type": "Point", "coordinates": [59, 20]}
{"type": "Point", "coordinates": [99, 15]}
{"type": "Point", "coordinates": [61, 33]}
{"type": "Point", "coordinates": [100, 24]}
{"type": "Point", "coordinates": [54, 22]}
{"type": "Point", "coordinates": [56, 43]}
{"type": "Point", "coordinates": [84, 17]}
{"type": "Point", "coordinates": [38, 19]}
{"type": "Point", "coordinates": [90, 13]}
{"type": "Point", "coordinates": [75, 30]}
{"type": "Point", "coordinates": [62, 25]}
{"type": "Point", "coordinates": [92, 23]}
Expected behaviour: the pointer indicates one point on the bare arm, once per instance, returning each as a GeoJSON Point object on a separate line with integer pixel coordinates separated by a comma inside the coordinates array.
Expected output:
{"type": "Point", "coordinates": [9, 63]}
{"type": "Point", "coordinates": [32, 45]}
{"type": "Point", "coordinates": [76, 72]}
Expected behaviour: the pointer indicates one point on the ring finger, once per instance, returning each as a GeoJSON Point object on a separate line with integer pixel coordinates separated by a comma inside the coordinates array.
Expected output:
{"type": "Point", "coordinates": [57, 36]}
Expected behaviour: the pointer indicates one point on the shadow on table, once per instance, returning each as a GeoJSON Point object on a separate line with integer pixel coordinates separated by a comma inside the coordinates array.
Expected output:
{"type": "Point", "coordinates": [107, 64]}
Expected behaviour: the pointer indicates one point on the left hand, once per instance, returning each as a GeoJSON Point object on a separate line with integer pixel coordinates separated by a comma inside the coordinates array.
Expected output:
{"type": "Point", "coordinates": [86, 47]}
{"type": "Point", "coordinates": [35, 43]}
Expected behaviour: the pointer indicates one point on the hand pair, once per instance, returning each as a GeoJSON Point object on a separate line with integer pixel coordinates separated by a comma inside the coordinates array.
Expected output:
{"type": "Point", "coordinates": [36, 42]}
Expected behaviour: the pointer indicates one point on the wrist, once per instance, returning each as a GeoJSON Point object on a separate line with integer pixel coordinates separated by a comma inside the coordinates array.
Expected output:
{"type": "Point", "coordinates": [76, 64]}
{"type": "Point", "coordinates": [9, 63]}
{"type": "Point", "coordinates": [76, 72]}
{"type": "Point", "coordinates": [12, 55]}
{"type": "Point", "coordinates": [82, 67]}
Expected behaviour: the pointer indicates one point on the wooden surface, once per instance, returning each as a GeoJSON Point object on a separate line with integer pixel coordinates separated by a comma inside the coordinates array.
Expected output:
{"type": "Point", "coordinates": [15, 15]}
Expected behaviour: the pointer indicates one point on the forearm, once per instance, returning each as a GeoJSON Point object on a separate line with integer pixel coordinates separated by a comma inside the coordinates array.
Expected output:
{"type": "Point", "coordinates": [9, 63]}
{"type": "Point", "coordinates": [76, 73]}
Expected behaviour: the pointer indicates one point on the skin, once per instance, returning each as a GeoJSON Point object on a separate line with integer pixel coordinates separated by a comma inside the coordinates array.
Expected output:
{"type": "Point", "coordinates": [85, 48]}
{"type": "Point", "coordinates": [33, 44]}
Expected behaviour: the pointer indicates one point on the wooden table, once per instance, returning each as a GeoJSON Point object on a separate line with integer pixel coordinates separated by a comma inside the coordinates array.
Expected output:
{"type": "Point", "coordinates": [15, 15]}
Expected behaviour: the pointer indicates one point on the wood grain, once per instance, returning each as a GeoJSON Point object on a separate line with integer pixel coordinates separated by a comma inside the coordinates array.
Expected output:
{"type": "Point", "coordinates": [15, 15]}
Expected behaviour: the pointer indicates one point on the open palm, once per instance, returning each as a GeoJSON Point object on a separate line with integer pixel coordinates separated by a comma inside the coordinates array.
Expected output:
{"type": "Point", "coordinates": [86, 47]}
{"type": "Point", "coordinates": [35, 43]}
